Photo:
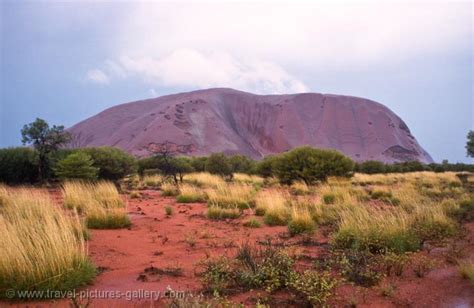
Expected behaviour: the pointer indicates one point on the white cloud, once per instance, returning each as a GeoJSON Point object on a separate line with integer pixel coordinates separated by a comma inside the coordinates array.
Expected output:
{"type": "Point", "coordinates": [268, 47]}
{"type": "Point", "coordinates": [98, 76]}
{"type": "Point", "coordinates": [193, 69]}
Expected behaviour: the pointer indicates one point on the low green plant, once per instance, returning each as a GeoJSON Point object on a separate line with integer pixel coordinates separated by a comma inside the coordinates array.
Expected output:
{"type": "Point", "coordinates": [422, 265]}
{"type": "Point", "coordinates": [316, 287]}
{"type": "Point", "coordinates": [217, 274]}
{"type": "Point", "coordinates": [253, 223]}
{"type": "Point", "coordinates": [168, 210]}
{"type": "Point", "coordinates": [217, 213]}
{"type": "Point", "coordinates": [394, 263]}
{"type": "Point", "coordinates": [329, 198]}
{"type": "Point", "coordinates": [361, 267]}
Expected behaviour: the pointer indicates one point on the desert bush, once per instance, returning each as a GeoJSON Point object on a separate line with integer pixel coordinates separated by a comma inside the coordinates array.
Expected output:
{"type": "Point", "coordinates": [316, 287]}
{"type": "Point", "coordinates": [76, 166]}
{"type": "Point", "coordinates": [266, 267]}
{"type": "Point", "coordinates": [300, 222]}
{"type": "Point", "coordinates": [189, 193]}
{"type": "Point", "coordinates": [43, 248]}
{"type": "Point", "coordinates": [219, 164]}
{"type": "Point", "coordinates": [371, 167]}
{"type": "Point", "coordinates": [198, 163]}
{"type": "Point", "coordinates": [168, 210]}
{"type": "Point", "coordinates": [467, 271]}
{"type": "Point", "coordinates": [217, 213]}
{"type": "Point", "coordinates": [100, 202]}
{"type": "Point", "coordinates": [311, 165]}
{"type": "Point", "coordinates": [217, 274]}
{"type": "Point", "coordinates": [241, 164]}
{"type": "Point", "coordinates": [360, 266]}
{"type": "Point", "coordinates": [265, 167]}
{"type": "Point", "coordinates": [18, 166]}
{"type": "Point", "coordinates": [394, 263]}
{"type": "Point", "coordinates": [422, 265]}
{"type": "Point", "coordinates": [169, 166]}
{"type": "Point", "coordinates": [112, 163]}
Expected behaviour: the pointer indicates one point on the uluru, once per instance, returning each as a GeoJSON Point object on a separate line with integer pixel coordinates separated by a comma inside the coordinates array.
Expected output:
{"type": "Point", "coordinates": [235, 122]}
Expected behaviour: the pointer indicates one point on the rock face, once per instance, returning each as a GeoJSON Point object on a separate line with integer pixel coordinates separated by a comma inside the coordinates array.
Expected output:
{"type": "Point", "coordinates": [234, 122]}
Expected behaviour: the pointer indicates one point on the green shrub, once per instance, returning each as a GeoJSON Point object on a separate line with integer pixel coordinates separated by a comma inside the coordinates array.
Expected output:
{"type": "Point", "coordinates": [311, 165]}
{"type": "Point", "coordinates": [218, 163]}
{"type": "Point", "coordinates": [18, 166]}
{"type": "Point", "coordinates": [76, 166]}
{"type": "Point", "coordinates": [371, 167]}
{"type": "Point", "coordinates": [113, 164]}
{"type": "Point", "coordinates": [168, 210]}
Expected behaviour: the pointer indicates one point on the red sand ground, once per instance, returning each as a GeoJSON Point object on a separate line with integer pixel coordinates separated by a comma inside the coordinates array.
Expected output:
{"type": "Point", "coordinates": [160, 241]}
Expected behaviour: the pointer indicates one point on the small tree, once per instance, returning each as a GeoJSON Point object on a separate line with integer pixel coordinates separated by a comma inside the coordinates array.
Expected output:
{"type": "Point", "coordinates": [113, 163]}
{"type": "Point", "coordinates": [371, 167]}
{"type": "Point", "coordinates": [470, 144]}
{"type": "Point", "coordinates": [76, 166]}
{"type": "Point", "coordinates": [241, 164]}
{"type": "Point", "coordinates": [265, 168]}
{"type": "Point", "coordinates": [218, 163]}
{"type": "Point", "coordinates": [311, 165]}
{"type": "Point", "coordinates": [18, 165]}
{"type": "Point", "coordinates": [45, 140]}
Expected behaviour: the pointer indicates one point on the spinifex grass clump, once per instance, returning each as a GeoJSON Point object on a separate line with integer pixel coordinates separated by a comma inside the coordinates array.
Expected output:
{"type": "Point", "coordinates": [189, 193]}
{"type": "Point", "coordinates": [204, 179]}
{"type": "Point", "coordinates": [169, 190]}
{"type": "Point", "coordinates": [273, 204]}
{"type": "Point", "coordinates": [301, 221]}
{"type": "Point", "coordinates": [101, 203]}
{"type": "Point", "coordinates": [42, 248]}
{"type": "Point", "coordinates": [217, 213]}
{"type": "Point", "coordinates": [228, 195]}
{"type": "Point", "coordinates": [376, 231]}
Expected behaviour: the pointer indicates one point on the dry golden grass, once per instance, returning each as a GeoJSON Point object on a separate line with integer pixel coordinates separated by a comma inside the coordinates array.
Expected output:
{"type": "Point", "coordinates": [169, 189]}
{"type": "Point", "coordinates": [42, 247]}
{"type": "Point", "coordinates": [229, 195]}
{"type": "Point", "coordinates": [248, 179]}
{"type": "Point", "coordinates": [153, 181]}
{"type": "Point", "coordinates": [101, 203]}
{"type": "Point", "coordinates": [300, 221]}
{"type": "Point", "coordinates": [274, 204]}
{"type": "Point", "coordinates": [204, 179]}
{"type": "Point", "coordinates": [190, 193]}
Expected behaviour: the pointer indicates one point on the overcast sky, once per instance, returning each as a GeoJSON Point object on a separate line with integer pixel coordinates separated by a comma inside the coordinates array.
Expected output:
{"type": "Point", "coordinates": [65, 61]}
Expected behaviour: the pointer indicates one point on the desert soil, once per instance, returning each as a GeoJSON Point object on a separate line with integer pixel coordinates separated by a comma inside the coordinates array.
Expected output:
{"type": "Point", "coordinates": [147, 255]}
